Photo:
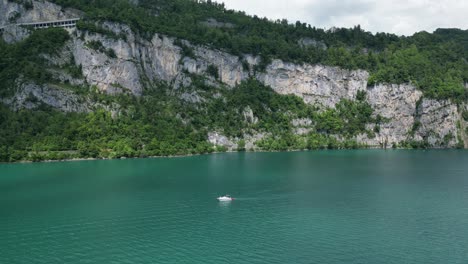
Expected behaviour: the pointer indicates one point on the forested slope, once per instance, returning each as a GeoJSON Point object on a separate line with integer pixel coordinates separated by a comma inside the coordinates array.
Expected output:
{"type": "Point", "coordinates": [160, 77]}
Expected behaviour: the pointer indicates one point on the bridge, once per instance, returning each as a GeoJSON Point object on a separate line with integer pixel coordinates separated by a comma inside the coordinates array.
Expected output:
{"type": "Point", "coordinates": [66, 23]}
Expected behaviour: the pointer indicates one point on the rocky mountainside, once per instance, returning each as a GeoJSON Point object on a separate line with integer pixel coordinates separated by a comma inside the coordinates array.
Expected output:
{"type": "Point", "coordinates": [116, 60]}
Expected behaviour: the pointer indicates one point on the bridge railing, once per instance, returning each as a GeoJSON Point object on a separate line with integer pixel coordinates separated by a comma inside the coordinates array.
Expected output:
{"type": "Point", "coordinates": [66, 23]}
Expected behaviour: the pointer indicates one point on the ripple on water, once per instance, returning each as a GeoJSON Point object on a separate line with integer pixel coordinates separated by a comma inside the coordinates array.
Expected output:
{"type": "Point", "coordinates": [337, 208]}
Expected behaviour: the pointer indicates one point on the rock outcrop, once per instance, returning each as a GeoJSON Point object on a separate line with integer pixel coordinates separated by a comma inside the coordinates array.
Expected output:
{"type": "Point", "coordinates": [219, 139]}
{"type": "Point", "coordinates": [12, 12]}
{"type": "Point", "coordinates": [317, 84]}
{"type": "Point", "coordinates": [139, 61]}
{"type": "Point", "coordinates": [308, 42]}
{"type": "Point", "coordinates": [438, 123]}
{"type": "Point", "coordinates": [112, 75]}
{"type": "Point", "coordinates": [14, 33]}
{"type": "Point", "coordinates": [229, 67]}
{"type": "Point", "coordinates": [396, 104]}
{"type": "Point", "coordinates": [30, 96]}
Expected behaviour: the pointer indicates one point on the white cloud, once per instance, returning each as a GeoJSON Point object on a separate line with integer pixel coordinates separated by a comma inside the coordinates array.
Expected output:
{"type": "Point", "coordinates": [403, 17]}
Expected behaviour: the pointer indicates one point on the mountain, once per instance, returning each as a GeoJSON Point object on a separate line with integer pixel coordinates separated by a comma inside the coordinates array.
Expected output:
{"type": "Point", "coordinates": [109, 79]}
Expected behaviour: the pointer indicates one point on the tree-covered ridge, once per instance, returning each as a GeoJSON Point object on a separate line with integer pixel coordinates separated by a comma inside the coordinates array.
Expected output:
{"type": "Point", "coordinates": [160, 124]}
{"type": "Point", "coordinates": [25, 60]}
{"type": "Point", "coordinates": [437, 63]}
{"type": "Point", "coordinates": [157, 123]}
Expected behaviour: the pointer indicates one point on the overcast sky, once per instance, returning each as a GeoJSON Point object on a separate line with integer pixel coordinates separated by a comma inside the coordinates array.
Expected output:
{"type": "Point", "coordinates": [402, 17]}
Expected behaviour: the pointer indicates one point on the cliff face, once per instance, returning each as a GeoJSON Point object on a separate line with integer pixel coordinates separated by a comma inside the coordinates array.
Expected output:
{"type": "Point", "coordinates": [319, 85]}
{"type": "Point", "coordinates": [11, 12]}
{"type": "Point", "coordinates": [29, 94]}
{"type": "Point", "coordinates": [139, 62]}
{"type": "Point", "coordinates": [440, 122]}
{"type": "Point", "coordinates": [112, 75]}
{"type": "Point", "coordinates": [396, 104]}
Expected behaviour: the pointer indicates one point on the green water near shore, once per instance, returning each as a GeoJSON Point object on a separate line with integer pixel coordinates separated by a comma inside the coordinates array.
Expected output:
{"type": "Point", "coordinates": [363, 206]}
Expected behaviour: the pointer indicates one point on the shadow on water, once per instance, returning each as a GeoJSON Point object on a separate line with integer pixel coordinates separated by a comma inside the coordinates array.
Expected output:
{"type": "Point", "coordinates": [224, 204]}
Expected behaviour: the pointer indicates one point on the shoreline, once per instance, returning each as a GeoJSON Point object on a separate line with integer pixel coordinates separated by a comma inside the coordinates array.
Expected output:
{"type": "Point", "coordinates": [201, 154]}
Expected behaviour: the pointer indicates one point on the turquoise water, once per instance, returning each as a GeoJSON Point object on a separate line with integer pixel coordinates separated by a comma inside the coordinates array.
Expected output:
{"type": "Point", "coordinates": [366, 206]}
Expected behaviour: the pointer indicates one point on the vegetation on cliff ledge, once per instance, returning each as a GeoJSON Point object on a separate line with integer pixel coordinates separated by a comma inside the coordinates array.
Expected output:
{"type": "Point", "coordinates": [161, 122]}
{"type": "Point", "coordinates": [25, 59]}
{"type": "Point", "coordinates": [437, 63]}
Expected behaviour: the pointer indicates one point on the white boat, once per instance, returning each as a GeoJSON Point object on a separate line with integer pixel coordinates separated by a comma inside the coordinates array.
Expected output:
{"type": "Point", "coordinates": [225, 198]}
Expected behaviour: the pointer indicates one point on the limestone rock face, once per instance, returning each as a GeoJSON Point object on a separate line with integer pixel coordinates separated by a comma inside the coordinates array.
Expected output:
{"type": "Point", "coordinates": [397, 105]}
{"type": "Point", "coordinates": [318, 85]}
{"type": "Point", "coordinates": [192, 97]}
{"type": "Point", "coordinates": [302, 126]}
{"type": "Point", "coordinates": [308, 42]}
{"type": "Point", "coordinates": [249, 116]}
{"type": "Point", "coordinates": [13, 33]}
{"type": "Point", "coordinates": [129, 64]}
{"type": "Point", "coordinates": [229, 67]}
{"type": "Point", "coordinates": [11, 12]}
{"type": "Point", "coordinates": [438, 123]}
{"type": "Point", "coordinates": [138, 59]}
{"type": "Point", "coordinates": [302, 122]}
{"type": "Point", "coordinates": [30, 96]}
{"type": "Point", "coordinates": [160, 58]}
{"type": "Point", "coordinates": [219, 139]}
{"type": "Point", "coordinates": [113, 75]}
{"type": "Point", "coordinates": [251, 140]}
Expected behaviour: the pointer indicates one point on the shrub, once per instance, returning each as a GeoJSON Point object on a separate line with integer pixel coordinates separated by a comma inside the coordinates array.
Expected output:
{"type": "Point", "coordinates": [465, 115]}
{"type": "Point", "coordinates": [212, 70]}
{"type": "Point", "coordinates": [241, 145]}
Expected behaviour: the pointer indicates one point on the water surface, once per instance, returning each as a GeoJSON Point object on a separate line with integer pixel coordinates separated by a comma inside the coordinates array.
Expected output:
{"type": "Point", "coordinates": [366, 206]}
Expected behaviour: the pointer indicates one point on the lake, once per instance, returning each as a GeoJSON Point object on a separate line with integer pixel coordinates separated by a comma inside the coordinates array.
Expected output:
{"type": "Point", "coordinates": [359, 206]}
